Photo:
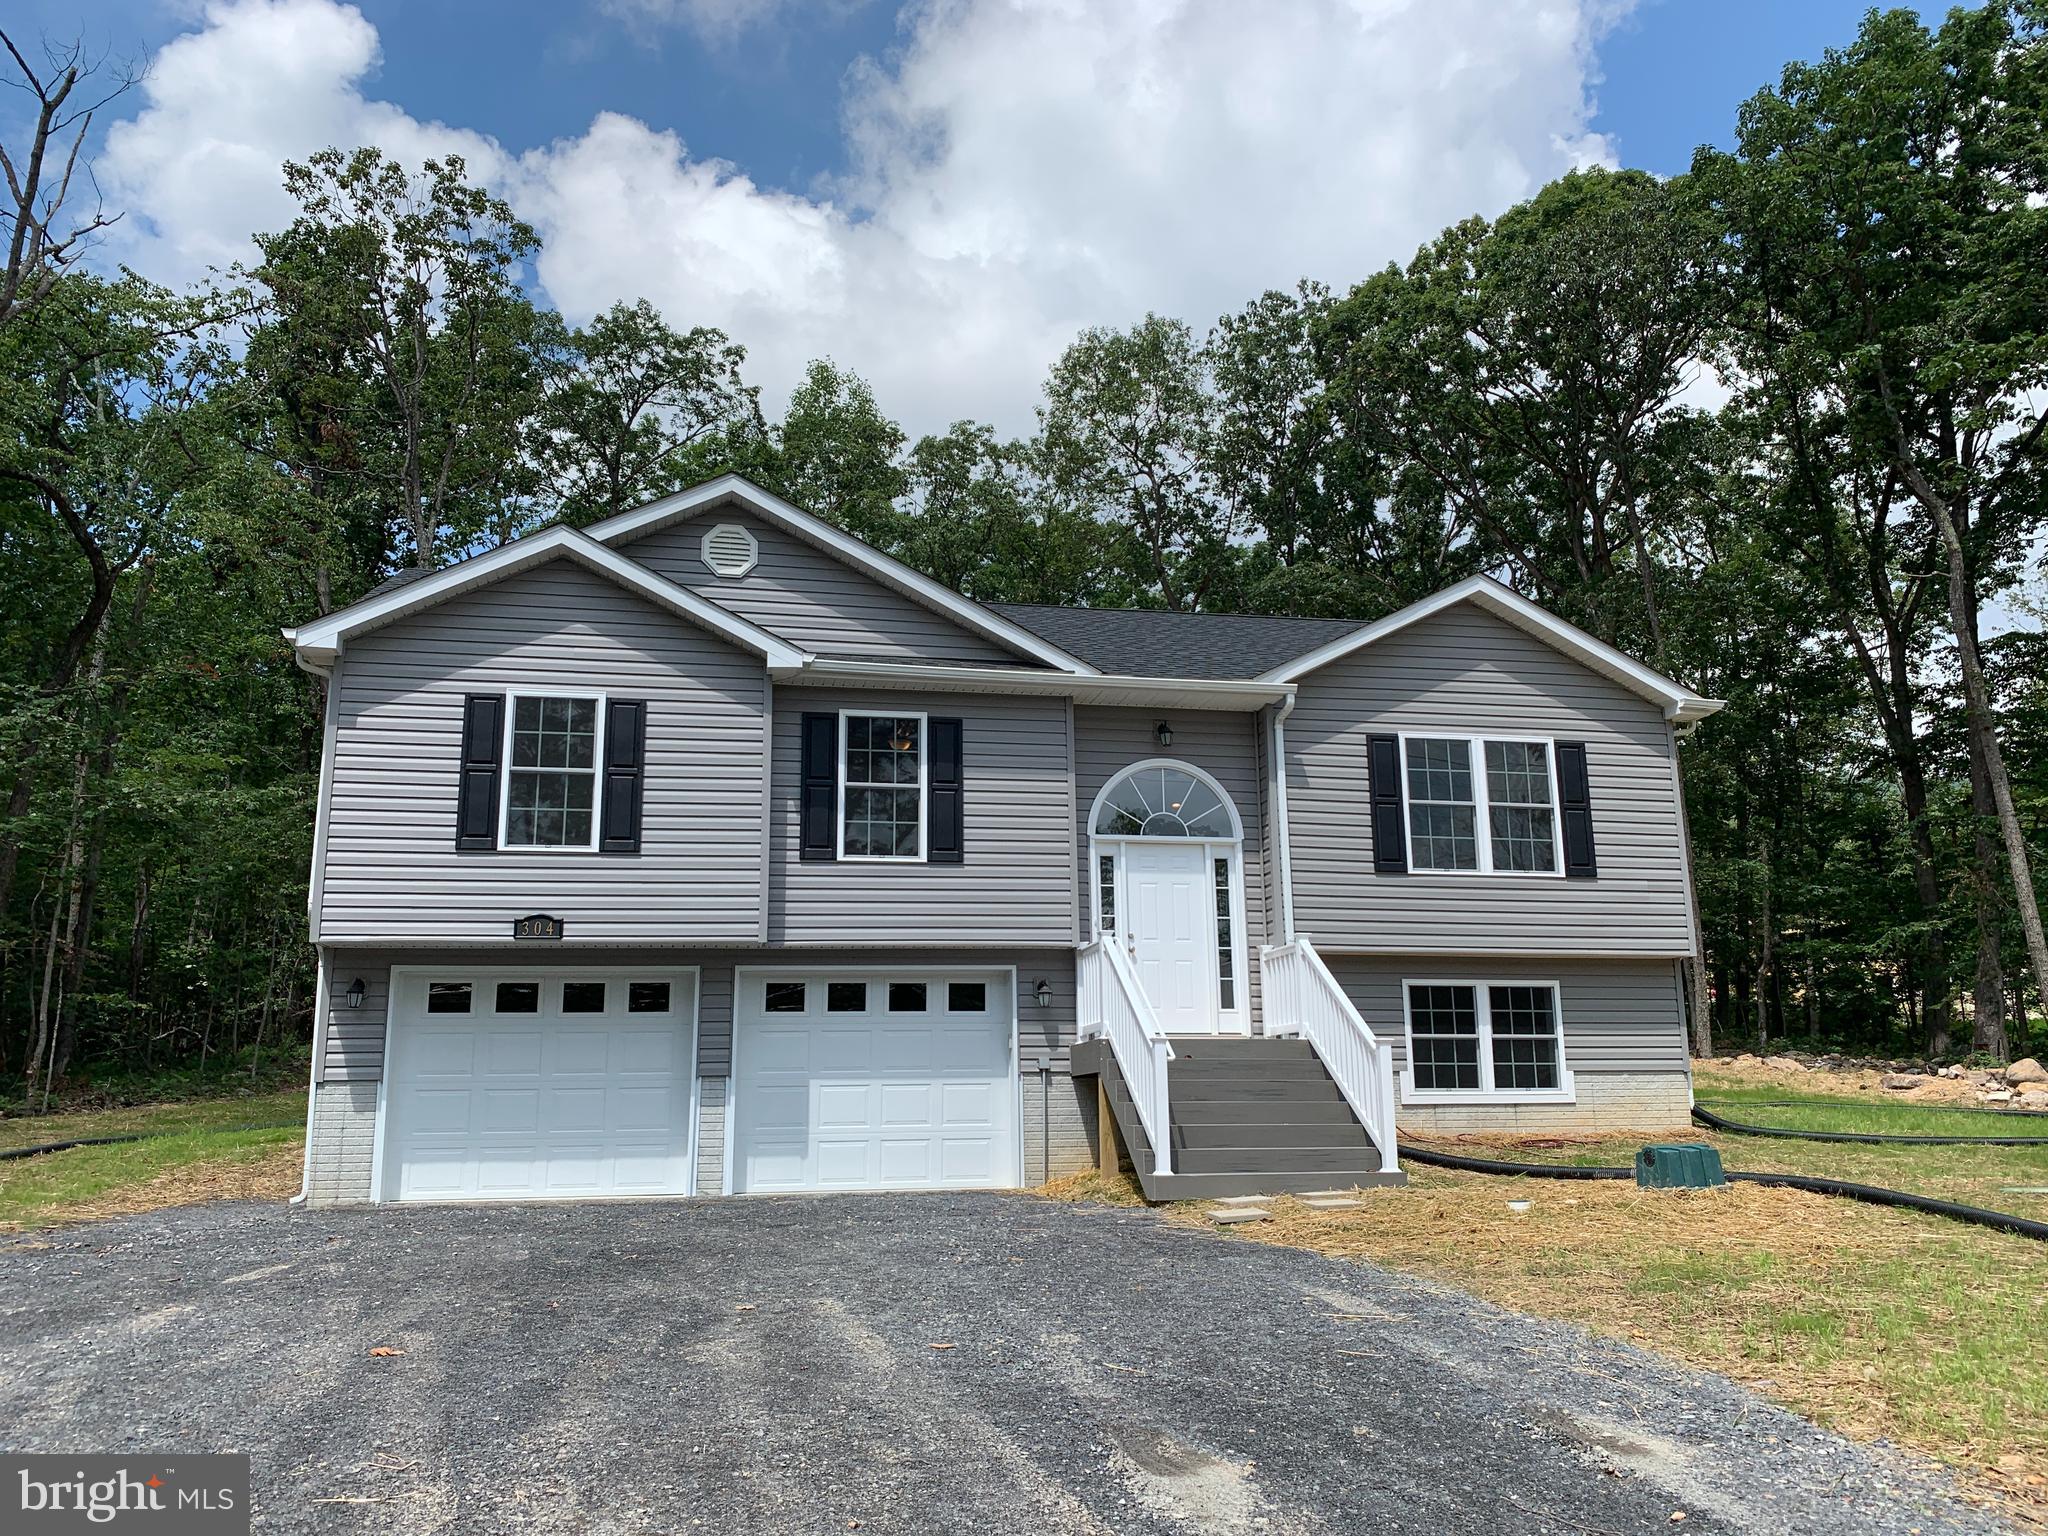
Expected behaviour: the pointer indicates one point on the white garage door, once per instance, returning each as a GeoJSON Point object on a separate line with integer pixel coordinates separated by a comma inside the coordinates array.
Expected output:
{"type": "Point", "coordinates": [877, 1080]}
{"type": "Point", "coordinates": [510, 1085]}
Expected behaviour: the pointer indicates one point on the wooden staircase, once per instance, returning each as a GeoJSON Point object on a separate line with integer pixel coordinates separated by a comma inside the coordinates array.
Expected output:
{"type": "Point", "coordinates": [1248, 1116]}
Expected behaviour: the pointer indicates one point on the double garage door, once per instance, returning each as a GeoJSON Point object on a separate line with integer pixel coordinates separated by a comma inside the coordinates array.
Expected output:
{"type": "Point", "coordinates": [885, 1079]}
{"type": "Point", "coordinates": [535, 1085]}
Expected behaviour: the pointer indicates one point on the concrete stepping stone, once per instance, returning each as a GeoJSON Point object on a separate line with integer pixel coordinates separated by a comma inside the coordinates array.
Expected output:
{"type": "Point", "coordinates": [1239, 1213]}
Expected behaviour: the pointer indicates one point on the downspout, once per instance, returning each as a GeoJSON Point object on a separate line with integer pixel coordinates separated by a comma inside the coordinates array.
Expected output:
{"type": "Point", "coordinates": [1282, 843]}
{"type": "Point", "coordinates": [315, 879]}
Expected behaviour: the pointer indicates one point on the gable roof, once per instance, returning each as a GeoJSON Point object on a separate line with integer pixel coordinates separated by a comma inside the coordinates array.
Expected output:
{"type": "Point", "coordinates": [891, 572]}
{"type": "Point", "coordinates": [1680, 703]}
{"type": "Point", "coordinates": [319, 642]}
{"type": "Point", "coordinates": [1152, 642]}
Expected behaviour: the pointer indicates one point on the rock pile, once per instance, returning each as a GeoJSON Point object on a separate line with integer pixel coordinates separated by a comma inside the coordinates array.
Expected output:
{"type": "Point", "coordinates": [2023, 1085]}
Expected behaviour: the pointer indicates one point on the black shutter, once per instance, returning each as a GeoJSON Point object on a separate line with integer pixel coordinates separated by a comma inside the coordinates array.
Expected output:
{"type": "Point", "coordinates": [1575, 798]}
{"type": "Point", "coordinates": [476, 796]}
{"type": "Point", "coordinates": [945, 812]}
{"type": "Point", "coordinates": [820, 785]}
{"type": "Point", "coordinates": [625, 757]}
{"type": "Point", "coordinates": [1389, 837]}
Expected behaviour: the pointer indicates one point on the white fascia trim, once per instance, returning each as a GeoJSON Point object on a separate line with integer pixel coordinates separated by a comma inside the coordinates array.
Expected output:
{"type": "Point", "coordinates": [816, 530]}
{"type": "Point", "coordinates": [1680, 703]}
{"type": "Point", "coordinates": [1228, 693]}
{"type": "Point", "coordinates": [321, 641]}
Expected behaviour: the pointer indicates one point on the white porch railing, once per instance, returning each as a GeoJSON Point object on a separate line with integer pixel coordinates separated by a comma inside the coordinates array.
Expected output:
{"type": "Point", "coordinates": [1114, 1008]}
{"type": "Point", "coordinates": [1303, 998]}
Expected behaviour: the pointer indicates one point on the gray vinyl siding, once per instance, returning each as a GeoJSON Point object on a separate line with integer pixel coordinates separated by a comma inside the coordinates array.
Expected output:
{"type": "Point", "coordinates": [714, 1018]}
{"type": "Point", "coordinates": [1016, 886]}
{"type": "Point", "coordinates": [1619, 1016]}
{"type": "Point", "coordinates": [1463, 670]}
{"type": "Point", "coordinates": [352, 1049]}
{"type": "Point", "coordinates": [392, 873]}
{"type": "Point", "coordinates": [1224, 745]}
{"type": "Point", "coordinates": [355, 1042]}
{"type": "Point", "coordinates": [814, 599]}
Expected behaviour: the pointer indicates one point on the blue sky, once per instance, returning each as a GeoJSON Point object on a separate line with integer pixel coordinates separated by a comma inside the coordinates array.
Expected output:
{"type": "Point", "coordinates": [939, 196]}
{"type": "Point", "coordinates": [769, 99]}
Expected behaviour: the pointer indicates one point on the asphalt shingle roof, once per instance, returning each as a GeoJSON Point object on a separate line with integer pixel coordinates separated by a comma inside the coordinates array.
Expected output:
{"type": "Point", "coordinates": [1149, 642]}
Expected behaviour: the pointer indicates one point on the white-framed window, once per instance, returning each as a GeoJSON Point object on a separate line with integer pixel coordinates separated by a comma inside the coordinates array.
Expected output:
{"type": "Point", "coordinates": [1226, 946]}
{"type": "Point", "coordinates": [1484, 1041]}
{"type": "Point", "coordinates": [1481, 805]}
{"type": "Point", "coordinates": [553, 744]}
{"type": "Point", "coordinates": [881, 786]}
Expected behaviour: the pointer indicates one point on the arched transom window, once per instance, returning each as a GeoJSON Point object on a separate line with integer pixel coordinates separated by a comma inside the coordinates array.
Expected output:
{"type": "Point", "coordinates": [1154, 800]}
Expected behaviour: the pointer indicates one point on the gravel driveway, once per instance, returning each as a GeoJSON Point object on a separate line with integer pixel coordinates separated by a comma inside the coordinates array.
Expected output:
{"type": "Point", "coordinates": [770, 1365]}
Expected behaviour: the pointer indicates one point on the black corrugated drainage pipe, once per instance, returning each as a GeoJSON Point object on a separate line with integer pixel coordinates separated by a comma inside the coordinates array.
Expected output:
{"type": "Point", "coordinates": [1870, 1194]}
{"type": "Point", "coordinates": [9, 1153]}
{"type": "Point", "coordinates": [1936, 1109]}
{"type": "Point", "coordinates": [1708, 1117]}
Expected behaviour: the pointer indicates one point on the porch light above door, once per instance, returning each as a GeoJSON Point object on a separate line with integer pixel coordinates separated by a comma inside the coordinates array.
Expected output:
{"type": "Point", "coordinates": [355, 993]}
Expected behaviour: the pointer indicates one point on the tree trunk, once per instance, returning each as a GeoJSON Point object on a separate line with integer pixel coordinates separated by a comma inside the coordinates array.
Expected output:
{"type": "Point", "coordinates": [1984, 735]}
{"type": "Point", "coordinates": [1702, 1007]}
{"type": "Point", "coordinates": [1988, 1034]}
{"type": "Point", "coordinates": [1765, 960]}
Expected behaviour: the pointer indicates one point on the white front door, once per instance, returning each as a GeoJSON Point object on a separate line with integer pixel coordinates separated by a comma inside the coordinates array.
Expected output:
{"type": "Point", "coordinates": [1171, 932]}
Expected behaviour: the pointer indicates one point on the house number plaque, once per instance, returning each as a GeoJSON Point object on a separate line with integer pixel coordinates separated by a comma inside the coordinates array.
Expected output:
{"type": "Point", "coordinates": [539, 926]}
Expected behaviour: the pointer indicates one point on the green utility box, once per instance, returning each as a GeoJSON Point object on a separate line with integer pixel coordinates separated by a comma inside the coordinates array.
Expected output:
{"type": "Point", "coordinates": [1679, 1165]}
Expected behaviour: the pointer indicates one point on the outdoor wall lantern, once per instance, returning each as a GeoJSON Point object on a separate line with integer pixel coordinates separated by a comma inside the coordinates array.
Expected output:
{"type": "Point", "coordinates": [1042, 993]}
{"type": "Point", "coordinates": [1163, 733]}
{"type": "Point", "coordinates": [355, 993]}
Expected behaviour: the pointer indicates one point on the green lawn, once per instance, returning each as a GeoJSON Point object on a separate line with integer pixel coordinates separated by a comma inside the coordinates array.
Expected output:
{"type": "Point", "coordinates": [265, 1109]}
{"type": "Point", "coordinates": [1881, 1118]}
{"type": "Point", "coordinates": [145, 1175]}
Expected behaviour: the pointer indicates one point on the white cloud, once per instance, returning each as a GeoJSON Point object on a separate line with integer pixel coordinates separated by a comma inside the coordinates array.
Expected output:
{"type": "Point", "coordinates": [199, 169]}
{"type": "Point", "coordinates": [713, 21]}
{"type": "Point", "coordinates": [1020, 171]}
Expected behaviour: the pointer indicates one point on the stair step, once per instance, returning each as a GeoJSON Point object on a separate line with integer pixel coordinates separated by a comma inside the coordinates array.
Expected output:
{"type": "Point", "coordinates": [1271, 1133]}
{"type": "Point", "coordinates": [1261, 1112]}
{"type": "Point", "coordinates": [1247, 1089]}
{"type": "Point", "coordinates": [1226, 1048]}
{"type": "Point", "coordinates": [1245, 1071]}
{"type": "Point", "coordinates": [1324, 1161]}
{"type": "Point", "coordinates": [1207, 1186]}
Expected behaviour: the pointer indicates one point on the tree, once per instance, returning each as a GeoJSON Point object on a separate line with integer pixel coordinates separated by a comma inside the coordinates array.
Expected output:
{"type": "Point", "coordinates": [104, 381]}
{"type": "Point", "coordinates": [1885, 208]}
{"type": "Point", "coordinates": [1125, 431]}
{"type": "Point", "coordinates": [1530, 374]}
{"type": "Point", "coordinates": [979, 516]}
{"type": "Point", "coordinates": [627, 401]}
{"type": "Point", "coordinates": [42, 236]}
{"type": "Point", "coordinates": [835, 454]}
{"type": "Point", "coordinates": [409, 283]}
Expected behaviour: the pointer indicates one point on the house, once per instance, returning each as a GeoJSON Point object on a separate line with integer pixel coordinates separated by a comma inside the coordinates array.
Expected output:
{"type": "Point", "coordinates": [710, 850]}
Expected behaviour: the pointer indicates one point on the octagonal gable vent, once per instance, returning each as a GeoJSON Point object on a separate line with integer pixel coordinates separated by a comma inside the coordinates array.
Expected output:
{"type": "Point", "coordinates": [730, 549]}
